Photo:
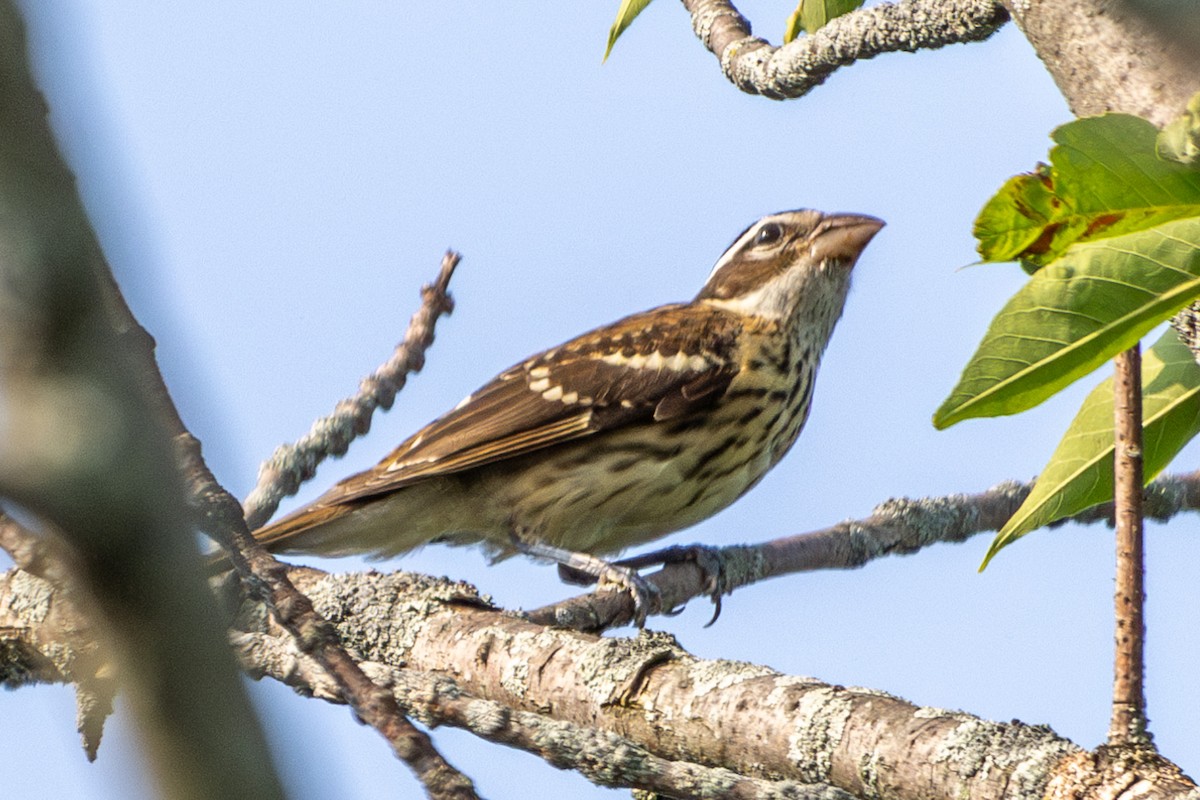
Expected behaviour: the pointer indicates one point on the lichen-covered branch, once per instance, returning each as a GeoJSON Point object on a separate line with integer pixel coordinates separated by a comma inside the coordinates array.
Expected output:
{"type": "Point", "coordinates": [757, 67]}
{"type": "Point", "coordinates": [521, 683]}
{"type": "Point", "coordinates": [896, 527]}
{"type": "Point", "coordinates": [741, 717]}
{"type": "Point", "coordinates": [292, 464]}
{"type": "Point", "coordinates": [602, 757]}
{"type": "Point", "coordinates": [50, 638]}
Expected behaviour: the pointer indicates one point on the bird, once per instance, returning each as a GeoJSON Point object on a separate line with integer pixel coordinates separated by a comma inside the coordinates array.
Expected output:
{"type": "Point", "coordinates": [621, 435]}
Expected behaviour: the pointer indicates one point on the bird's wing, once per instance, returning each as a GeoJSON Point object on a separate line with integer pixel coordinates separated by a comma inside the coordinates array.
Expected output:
{"type": "Point", "coordinates": [658, 365]}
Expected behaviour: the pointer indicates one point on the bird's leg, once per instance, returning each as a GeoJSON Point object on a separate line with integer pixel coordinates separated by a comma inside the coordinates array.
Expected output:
{"type": "Point", "coordinates": [645, 595]}
{"type": "Point", "coordinates": [709, 560]}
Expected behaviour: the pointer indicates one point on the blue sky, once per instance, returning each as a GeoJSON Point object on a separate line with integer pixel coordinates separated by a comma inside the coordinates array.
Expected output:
{"type": "Point", "coordinates": [273, 181]}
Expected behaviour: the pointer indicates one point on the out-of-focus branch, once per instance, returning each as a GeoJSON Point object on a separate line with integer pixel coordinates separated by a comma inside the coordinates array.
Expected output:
{"type": "Point", "coordinates": [896, 527]}
{"type": "Point", "coordinates": [757, 67]}
{"type": "Point", "coordinates": [85, 451]}
{"type": "Point", "coordinates": [292, 464]}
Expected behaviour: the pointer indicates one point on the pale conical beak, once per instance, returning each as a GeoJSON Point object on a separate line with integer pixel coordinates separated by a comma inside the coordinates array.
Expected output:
{"type": "Point", "coordinates": [843, 236]}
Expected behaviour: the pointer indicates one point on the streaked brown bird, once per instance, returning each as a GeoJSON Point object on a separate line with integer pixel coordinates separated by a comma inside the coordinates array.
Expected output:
{"type": "Point", "coordinates": [619, 436]}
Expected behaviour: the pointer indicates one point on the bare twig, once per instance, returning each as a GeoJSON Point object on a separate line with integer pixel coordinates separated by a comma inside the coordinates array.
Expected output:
{"type": "Point", "coordinates": [1128, 725]}
{"type": "Point", "coordinates": [221, 516]}
{"type": "Point", "coordinates": [292, 464]}
{"type": "Point", "coordinates": [756, 67]}
{"type": "Point", "coordinates": [896, 527]}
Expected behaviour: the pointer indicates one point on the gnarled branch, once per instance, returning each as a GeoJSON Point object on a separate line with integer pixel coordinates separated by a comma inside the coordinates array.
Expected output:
{"type": "Point", "coordinates": [757, 67]}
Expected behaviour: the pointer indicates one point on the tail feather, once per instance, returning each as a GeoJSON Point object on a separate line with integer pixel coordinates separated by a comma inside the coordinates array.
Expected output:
{"type": "Point", "coordinates": [276, 535]}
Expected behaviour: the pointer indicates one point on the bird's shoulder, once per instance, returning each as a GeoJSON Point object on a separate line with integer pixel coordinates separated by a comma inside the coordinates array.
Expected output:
{"type": "Point", "coordinates": [655, 365]}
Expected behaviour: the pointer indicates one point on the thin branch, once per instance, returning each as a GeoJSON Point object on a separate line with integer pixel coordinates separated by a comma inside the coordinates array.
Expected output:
{"type": "Point", "coordinates": [222, 517]}
{"type": "Point", "coordinates": [896, 527]}
{"type": "Point", "coordinates": [293, 464]}
{"type": "Point", "coordinates": [1128, 726]}
{"type": "Point", "coordinates": [757, 67]}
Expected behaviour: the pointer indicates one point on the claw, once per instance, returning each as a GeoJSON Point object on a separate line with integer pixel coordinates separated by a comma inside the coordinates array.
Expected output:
{"type": "Point", "coordinates": [708, 559]}
{"type": "Point", "coordinates": [716, 600]}
{"type": "Point", "coordinates": [646, 597]}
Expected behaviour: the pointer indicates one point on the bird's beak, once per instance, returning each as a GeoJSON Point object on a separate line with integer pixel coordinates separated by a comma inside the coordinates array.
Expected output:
{"type": "Point", "coordinates": [842, 237]}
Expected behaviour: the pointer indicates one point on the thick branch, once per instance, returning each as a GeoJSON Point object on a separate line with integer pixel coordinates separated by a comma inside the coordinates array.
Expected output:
{"type": "Point", "coordinates": [740, 717]}
{"type": "Point", "coordinates": [512, 678]}
{"type": "Point", "coordinates": [602, 757]}
{"type": "Point", "coordinates": [1105, 56]}
{"type": "Point", "coordinates": [757, 67]}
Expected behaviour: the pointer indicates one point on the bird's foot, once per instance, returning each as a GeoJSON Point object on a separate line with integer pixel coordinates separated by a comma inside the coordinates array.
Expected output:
{"type": "Point", "coordinates": [583, 568]}
{"type": "Point", "coordinates": [709, 560]}
{"type": "Point", "coordinates": [646, 597]}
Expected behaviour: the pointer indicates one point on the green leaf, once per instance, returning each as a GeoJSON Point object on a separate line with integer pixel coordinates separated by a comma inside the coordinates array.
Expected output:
{"type": "Point", "coordinates": [1071, 317]}
{"type": "Point", "coordinates": [1105, 179]}
{"type": "Point", "coordinates": [1080, 473]}
{"type": "Point", "coordinates": [793, 27]}
{"type": "Point", "coordinates": [1180, 140]}
{"type": "Point", "coordinates": [626, 14]}
{"type": "Point", "coordinates": [812, 15]}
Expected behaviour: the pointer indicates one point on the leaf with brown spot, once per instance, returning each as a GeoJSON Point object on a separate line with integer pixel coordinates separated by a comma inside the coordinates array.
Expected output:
{"type": "Point", "coordinates": [1105, 178]}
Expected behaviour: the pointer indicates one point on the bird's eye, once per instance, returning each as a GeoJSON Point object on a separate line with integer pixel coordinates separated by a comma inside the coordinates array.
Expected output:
{"type": "Point", "coordinates": [768, 234]}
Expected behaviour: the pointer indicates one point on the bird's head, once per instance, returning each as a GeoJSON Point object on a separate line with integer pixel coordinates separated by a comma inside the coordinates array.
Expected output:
{"type": "Point", "coordinates": [790, 266]}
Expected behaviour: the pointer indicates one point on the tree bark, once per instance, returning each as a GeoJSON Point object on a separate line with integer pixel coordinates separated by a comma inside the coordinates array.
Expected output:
{"type": "Point", "coordinates": [1104, 56]}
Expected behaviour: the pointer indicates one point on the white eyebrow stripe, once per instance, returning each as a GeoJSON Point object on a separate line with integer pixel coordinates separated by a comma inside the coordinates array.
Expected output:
{"type": "Point", "coordinates": [734, 248]}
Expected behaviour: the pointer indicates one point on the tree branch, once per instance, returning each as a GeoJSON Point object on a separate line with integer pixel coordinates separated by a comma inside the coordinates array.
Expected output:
{"type": "Point", "coordinates": [221, 516]}
{"type": "Point", "coordinates": [1105, 56]}
{"type": "Point", "coordinates": [84, 450]}
{"type": "Point", "coordinates": [1128, 726]}
{"type": "Point", "coordinates": [510, 679]}
{"type": "Point", "coordinates": [896, 527]}
{"type": "Point", "coordinates": [33, 633]}
{"type": "Point", "coordinates": [293, 464]}
{"type": "Point", "coordinates": [602, 757]}
{"type": "Point", "coordinates": [756, 67]}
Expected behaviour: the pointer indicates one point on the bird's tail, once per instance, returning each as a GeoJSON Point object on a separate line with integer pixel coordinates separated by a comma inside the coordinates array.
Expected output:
{"type": "Point", "coordinates": [277, 535]}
